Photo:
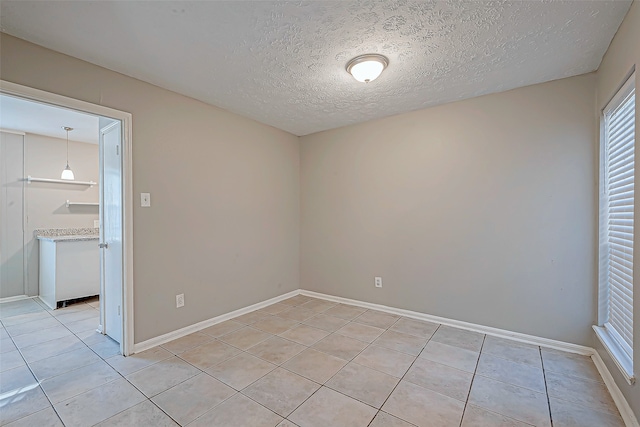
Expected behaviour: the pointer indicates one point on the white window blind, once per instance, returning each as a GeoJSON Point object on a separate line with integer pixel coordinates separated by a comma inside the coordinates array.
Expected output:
{"type": "Point", "coordinates": [619, 169]}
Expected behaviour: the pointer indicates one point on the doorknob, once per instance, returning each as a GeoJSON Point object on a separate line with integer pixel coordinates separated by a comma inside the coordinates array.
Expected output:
{"type": "Point", "coordinates": [103, 245]}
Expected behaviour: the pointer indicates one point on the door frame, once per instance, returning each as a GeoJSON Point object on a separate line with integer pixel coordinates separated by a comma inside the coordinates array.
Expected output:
{"type": "Point", "coordinates": [23, 224]}
{"type": "Point", "coordinates": [13, 89]}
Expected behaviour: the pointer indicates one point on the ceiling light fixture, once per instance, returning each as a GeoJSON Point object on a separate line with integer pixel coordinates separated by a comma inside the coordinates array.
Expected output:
{"type": "Point", "coordinates": [67, 173]}
{"type": "Point", "coordinates": [367, 68]}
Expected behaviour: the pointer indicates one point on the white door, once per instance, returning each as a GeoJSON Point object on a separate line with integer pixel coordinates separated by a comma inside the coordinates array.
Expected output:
{"type": "Point", "coordinates": [111, 230]}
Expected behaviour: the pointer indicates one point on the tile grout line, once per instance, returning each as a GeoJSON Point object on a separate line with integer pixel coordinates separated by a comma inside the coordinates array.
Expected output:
{"type": "Point", "coordinates": [75, 334]}
{"type": "Point", "coordinates": [271, 410]}
{"type": "Point", "coordinates": [284, 368]}
{"type": "Point", "coordinates": [101, 359]}
{"type": "Point", "coordinates": [214, 339]}
{"type": "Point", "coordinates": [349, 361]}
{"type": "Point", "coordinates": [241, 351]}
{"type": "Point", "coordinates": [475, 371]}
{"type": "Point", "coordinates": [546, 388]}
{"type": "Point", "coordinates": [280, 366]}
{"type": "Point", "coordinates": [378, 410]}
{"type": "Point", "coordinates": [147, 397]}
{"type": "Point", "coordinates": [39, 386]}
{"type": "Point", "coordinates": [27, 364]}
{"type": "Point", "coordinates": [400, 380]}
{"type": "Point", "coordinates": [248, 397]}
{"type": "Point", "coordinates": [408, 369]}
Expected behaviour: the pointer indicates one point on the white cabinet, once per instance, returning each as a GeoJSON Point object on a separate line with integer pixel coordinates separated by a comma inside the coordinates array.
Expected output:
{"type": "Point", "coordinates": [69, 268]}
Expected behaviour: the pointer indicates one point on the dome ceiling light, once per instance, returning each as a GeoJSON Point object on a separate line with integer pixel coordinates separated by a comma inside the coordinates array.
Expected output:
{"type": "Point", "coordinates": [367, 68]}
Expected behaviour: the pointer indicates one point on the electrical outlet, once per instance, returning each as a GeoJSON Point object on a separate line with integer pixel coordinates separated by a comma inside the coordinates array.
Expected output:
{"type": "Point", "coordinates": [378, 282]}
{"type": "Point", "coordinates": [96, 223]}
{"type": "Point", "coordinates": [179, 300]}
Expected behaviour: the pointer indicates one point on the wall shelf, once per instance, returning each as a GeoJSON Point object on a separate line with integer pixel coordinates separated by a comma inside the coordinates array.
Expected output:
{"type": "Point", "coordinates": [31, 179]}
{"type": "Point", "coordinates": [70, 203]}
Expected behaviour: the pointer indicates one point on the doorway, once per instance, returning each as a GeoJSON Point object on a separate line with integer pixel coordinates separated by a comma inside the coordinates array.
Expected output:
{"type": "Point", "coordinates": [115, 210]}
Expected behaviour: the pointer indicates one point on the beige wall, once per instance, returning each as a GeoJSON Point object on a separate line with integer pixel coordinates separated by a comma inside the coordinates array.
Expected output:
{"type": "Point", "coordinates": [224, 224]}
{"type": "Point", "coordinates": [45, 204]}
{"type": "Point", "coordinates": [621, 58]}
{"type": "Point", "coordinates": [481, 210]}
{"type": "Point", "coordinates": [488, 202]}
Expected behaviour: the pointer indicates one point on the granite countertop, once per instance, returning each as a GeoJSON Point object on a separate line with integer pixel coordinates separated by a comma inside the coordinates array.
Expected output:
{"type": "Point", "coordinates": [67, 234]}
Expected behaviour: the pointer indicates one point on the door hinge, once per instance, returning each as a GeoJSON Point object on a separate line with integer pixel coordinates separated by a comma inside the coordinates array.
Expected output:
{"type": "Point", "coordinates": [117, 150]}
{"type": "Point", "coordinates": [118, 310]}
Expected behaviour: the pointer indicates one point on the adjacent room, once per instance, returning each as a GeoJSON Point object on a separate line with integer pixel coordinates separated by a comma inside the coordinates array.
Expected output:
{"type": "Point", "coordinates": [318, 213]}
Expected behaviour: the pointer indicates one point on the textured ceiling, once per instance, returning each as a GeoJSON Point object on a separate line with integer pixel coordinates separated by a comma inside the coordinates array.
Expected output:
{"type": "Point", "coordinates": [282, 63]}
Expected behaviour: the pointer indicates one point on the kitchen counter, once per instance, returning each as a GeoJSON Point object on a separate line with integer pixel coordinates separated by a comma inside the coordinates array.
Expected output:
{"type": "Point", "coordinates": [69, 264]}
{"type": "Point", "coordinates": [69, 238]}
{"type": "Point", "coordinates": [59, 234]}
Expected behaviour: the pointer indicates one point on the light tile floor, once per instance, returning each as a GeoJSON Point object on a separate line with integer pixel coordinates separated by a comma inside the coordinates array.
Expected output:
{"type": "Point", "coordinates": [301, 362]}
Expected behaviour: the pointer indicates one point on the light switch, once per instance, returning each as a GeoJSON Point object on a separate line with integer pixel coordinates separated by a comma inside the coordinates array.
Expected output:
{"type": "Point", "coordinates": [145, 200]}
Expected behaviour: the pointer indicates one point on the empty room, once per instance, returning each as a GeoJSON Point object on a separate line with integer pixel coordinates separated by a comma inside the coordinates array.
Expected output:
{"type": "Point", "coordinates": [318, 213]}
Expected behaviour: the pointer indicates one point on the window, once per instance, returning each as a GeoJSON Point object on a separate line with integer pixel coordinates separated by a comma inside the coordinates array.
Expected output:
{"type": "Point", "coordinates": [617, 227]}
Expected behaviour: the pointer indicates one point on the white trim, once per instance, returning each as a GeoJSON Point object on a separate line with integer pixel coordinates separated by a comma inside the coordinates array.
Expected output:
{"type": "Point", "coordinates": [627, 87]}
{"type": "Point", "coordinates": [25, 224]}
{"type": "Point", "coordinates": [621, 403]}
{"type": "Point", "coordinates": [626, 413]}
{"type": "Point", "coordinates": [162, 339]}
{"type": "Point", "coordinates": [16, 298]}
{"type": "Point", "coordinates": [617, 354]}
{"type": "Point", "coordinates": [501, 333]}
{"type": "Point", "coordinates": [15, 132]}
{"type": "Point", "coordinates": [617, 343]}
{"type": "Point", "coordinates": [41, 96]}
{"type": "Point", "coordinates": [623, 406]}
{"type": "Point", "coordinates": [44, 97]}
{"type": "Point", "coordinates": [41, 302]}
{"type": "Point", "coordinates": [25, 276]}
{"type": "Point", "coordinates": [127, 224]}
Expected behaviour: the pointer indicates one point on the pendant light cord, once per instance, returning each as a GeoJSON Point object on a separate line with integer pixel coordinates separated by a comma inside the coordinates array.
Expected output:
{"type": "Point", "coordinates": [67, 173]}
{"type": "Point", "coordinates": [67, 128]}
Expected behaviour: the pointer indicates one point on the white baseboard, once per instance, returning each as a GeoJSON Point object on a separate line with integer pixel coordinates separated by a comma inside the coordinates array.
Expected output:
{"type": "Point", "coordinates": [623, 406]}
{"type": "Point", "coordinates": [16, 298]}
{"type": "Point", "coordinates": [626, 413]}
{"type": "Point", "coordinates": [162, 339]}
{"type": "Point", "coordinates": [617, 396]}
{"type": "Point", "coordinates": [501, 333]}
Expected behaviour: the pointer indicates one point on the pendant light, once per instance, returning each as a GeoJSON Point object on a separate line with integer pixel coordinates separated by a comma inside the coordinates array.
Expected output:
{"type": "Point", "coordinates": [367, 68]}
{"type": "Point", "coordinates": [67, 173]}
